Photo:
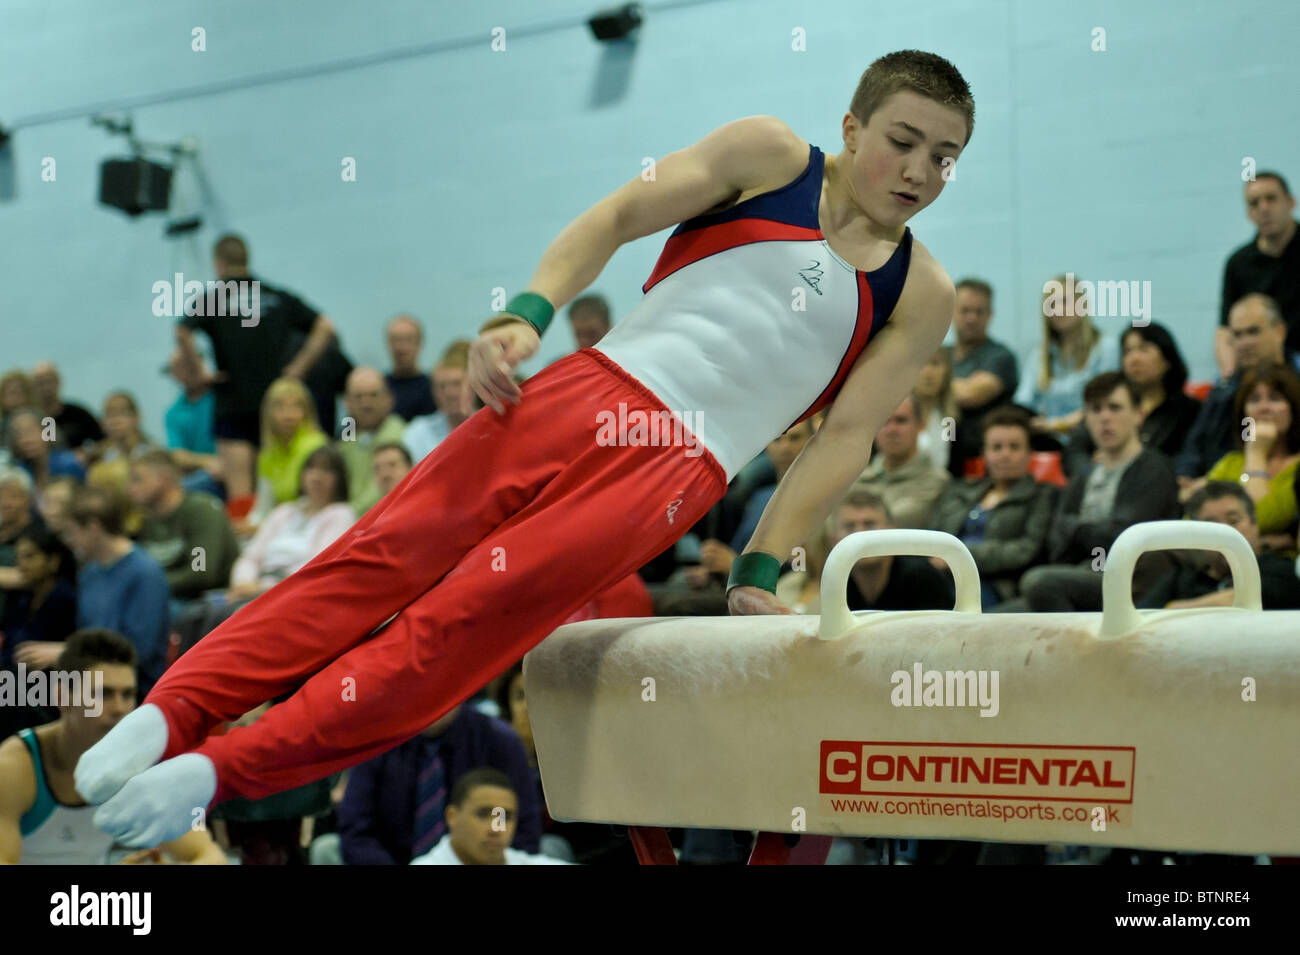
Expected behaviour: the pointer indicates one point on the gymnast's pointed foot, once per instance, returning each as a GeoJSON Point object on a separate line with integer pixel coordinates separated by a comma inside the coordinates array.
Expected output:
{"type": "Point", "coordinates": [130, 747]}
{"type": "Point", "coordinates": [160, 804]}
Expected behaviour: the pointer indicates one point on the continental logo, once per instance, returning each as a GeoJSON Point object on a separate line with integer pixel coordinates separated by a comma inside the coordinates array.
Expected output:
{"type": "Point", "coordinates": [1098, 774]}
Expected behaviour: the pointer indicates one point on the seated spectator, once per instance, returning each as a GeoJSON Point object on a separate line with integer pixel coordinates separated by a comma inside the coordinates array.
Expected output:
{"type": "Point", "coordinates": [480, 820]}
{"type": "Point", "coordinates": [188, 423]}
{"type": "Point", "coordinates": [1153, 363]}
{"type": "Point", "coordinates": [1004, 517]}
{"type": "Point", "coordinates": [939, 412]}
{"type": "Point", "coordinates": [1205, 580]}
{"type": "Point", "coordinates": [901, 473]}
{"type": "Point", "coordinates": [124, 438]}
{"type": "Point", "coordinates": [43, 611]}
{"type": "Point", "coordinates": [289, 434]}
{"type": "Point", "coordinates": [1258, 338]}
{"type": "Point", "coordinates": [426, 432]}
{"type": "Point", "coordinates": [984, 371]}
{"type": "Point", "coordinates": [43, 819]}
{"type": "Point", "coordinates": [75, 427]}
{"type": "Point", "coordinates": [54, 503]}
{"type": "Point", "coordinates": [186, 532]}
{"type": "Point", "coordinates": [894, 582]}
{"type": "Point", "coordinates": [393, 809]}
{"type": "Point", "coordinates": [296, 532]}
{"type": "Point", "coordinates": [16, 392]}
{"type": "Point", "coordinates": [589, 319]}
{"type": "Point", "coordinates": [411, 389]}
{"type": "Point", "coordinates": [1268, 401]}
{"type": "Point", "coordinates": [1124, 485]}
{"type": "Point", "coordinates": [16, 515]}
{"type": "Point", "coordinates": [370, 421]}
{"type": "Point", "coordinates": [1072, 352]}
{"type": "Point", "coordinates": [389, 464]}
{"type": "Point", "coordinates": [39, 456]}
{"type": "Point", "coordinates": [119, 586]}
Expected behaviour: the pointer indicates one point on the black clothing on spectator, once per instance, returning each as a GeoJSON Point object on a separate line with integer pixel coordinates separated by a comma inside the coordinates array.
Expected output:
{"type": "Point", "coordinates": [252, 351]}
{"type": "Point", "coordinates": [1147, 491]}
{"type": "Point", "coordinates": [75, 426]}
{"type": "Point", "coordinates": [1250, 270]}
{"type": "Point", "coordinates": [1279, 585]}
{"type": "Point", "coordinates": [914, 584]}
{"type": "Point", "coordinates": [412, 395]}
{"type": "Point", "coordinates": [1165, 429]}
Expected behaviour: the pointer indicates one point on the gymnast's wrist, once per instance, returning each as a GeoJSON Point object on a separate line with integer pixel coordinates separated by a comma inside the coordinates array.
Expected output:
{"type": "Point", "coordinates": [527, 307]}
{"type": "Point", "coordinates": [754, 569]}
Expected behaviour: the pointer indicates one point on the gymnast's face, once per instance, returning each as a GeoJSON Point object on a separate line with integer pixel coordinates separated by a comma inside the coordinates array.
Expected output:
{"type": "Point", "coordinates": [899, 160]}
{"type": "Point", "coordinates": [483, 825]}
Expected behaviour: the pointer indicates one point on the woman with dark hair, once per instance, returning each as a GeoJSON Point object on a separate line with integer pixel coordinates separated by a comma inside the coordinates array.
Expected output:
{"type": "Point", "coordinates": [1268, 402]}
{"type": "Point", "coordinates": [1151, 360]}
{"type": "Point", "coordinates": [295, 532]}
{"type": "Point", "coordinates": [40, 616]}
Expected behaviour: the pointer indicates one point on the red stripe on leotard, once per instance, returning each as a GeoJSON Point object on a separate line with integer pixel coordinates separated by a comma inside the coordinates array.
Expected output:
{"type": "Point", "coordinates": [686, 247]}
{"type": "Point", "coordinates": [862, 331]}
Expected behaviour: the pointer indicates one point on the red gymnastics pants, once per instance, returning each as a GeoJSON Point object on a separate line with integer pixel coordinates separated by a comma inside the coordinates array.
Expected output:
{"type": "Point", "coordinates": [509, 526]}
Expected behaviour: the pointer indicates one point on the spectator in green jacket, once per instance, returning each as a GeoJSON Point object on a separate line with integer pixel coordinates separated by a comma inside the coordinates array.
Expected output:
{"type": "Point", "coordinates": [187, 532]}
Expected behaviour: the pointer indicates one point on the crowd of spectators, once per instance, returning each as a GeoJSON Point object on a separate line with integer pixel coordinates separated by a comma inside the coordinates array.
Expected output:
{"type": "Point", "coordinates": [1036, 457]}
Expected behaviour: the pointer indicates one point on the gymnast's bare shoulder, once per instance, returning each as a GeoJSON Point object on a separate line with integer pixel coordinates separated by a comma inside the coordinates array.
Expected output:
{"type": "Point", "coordinates": [737, 160]}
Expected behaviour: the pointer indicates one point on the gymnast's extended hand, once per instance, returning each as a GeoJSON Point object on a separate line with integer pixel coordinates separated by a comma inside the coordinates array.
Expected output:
{"type": "Point", "coordinates": [743, 601]}
{"type": "Point", "coordinates": [492, 360]}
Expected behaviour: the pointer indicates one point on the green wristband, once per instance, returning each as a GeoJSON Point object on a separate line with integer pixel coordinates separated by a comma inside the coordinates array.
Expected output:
{"type": "Point", "coordinates": [533, 309]}
{"type": "Point", "coordinates": [754, 569]}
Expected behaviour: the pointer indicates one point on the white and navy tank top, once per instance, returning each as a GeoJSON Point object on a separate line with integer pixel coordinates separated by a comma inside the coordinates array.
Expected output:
{"type": "Point", "coordinates": [55, 834]}
{"type": "Point", "coordinates": [751, 322]}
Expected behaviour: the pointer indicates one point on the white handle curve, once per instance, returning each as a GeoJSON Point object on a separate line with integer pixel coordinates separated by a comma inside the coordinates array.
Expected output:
{"type": "Point", "coordinates": [836, 618]}
{"type": "Point", "coordinates": [1120, 617]}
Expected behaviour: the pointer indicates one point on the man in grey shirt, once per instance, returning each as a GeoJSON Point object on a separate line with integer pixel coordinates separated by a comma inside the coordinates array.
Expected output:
{"type": "Point", "coordinates": [984, 373]}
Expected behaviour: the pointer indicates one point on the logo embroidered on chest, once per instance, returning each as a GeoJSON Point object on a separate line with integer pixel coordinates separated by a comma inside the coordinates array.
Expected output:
{"type": "Point", "coordinates": [813, 276]}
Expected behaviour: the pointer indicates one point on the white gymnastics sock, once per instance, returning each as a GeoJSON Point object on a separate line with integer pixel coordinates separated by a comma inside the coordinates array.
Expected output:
{"type": "Point", "coordinates": [130, 747]}
{"type": "Point", "coordinates": [162, 803]}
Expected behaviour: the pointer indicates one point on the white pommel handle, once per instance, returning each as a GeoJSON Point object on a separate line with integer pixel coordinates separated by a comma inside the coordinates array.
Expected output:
{"type": "Point", "coordinates": [837, 619]}
{"type": "Point", "coordinates": [1118, 615]}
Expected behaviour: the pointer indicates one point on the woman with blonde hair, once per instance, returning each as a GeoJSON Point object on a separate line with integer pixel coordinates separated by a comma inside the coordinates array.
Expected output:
{"type": "Point", "coordinates": [1072, 352]}
{"type": "Point", "coordinates": [938, 408]}
{"type": "Point", "coordinates": [290, 433]}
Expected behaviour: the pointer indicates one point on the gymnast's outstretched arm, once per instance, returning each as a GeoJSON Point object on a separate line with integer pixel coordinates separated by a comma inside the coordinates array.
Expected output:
{"type": "Point", "coordinates": [826, 468]}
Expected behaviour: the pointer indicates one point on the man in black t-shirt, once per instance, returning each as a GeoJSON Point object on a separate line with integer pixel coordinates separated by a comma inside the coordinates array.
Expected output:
{"type": "Point", "coordinates": [74, 426]}
{"type": "Point", "coordinates": [886, 583]}
{"type": "Point", "coordinates": [250, 352]}
{"type": "Point", "coordinates": [984, 372]}
{"type": "Point", "coordinates": [412, 390]}
{"type": "Point", "coordinates": [1268, 263]}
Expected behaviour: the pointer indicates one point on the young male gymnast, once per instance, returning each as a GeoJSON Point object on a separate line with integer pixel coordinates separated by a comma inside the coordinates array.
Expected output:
{"type": "Point", "coordinates": [792, 281]}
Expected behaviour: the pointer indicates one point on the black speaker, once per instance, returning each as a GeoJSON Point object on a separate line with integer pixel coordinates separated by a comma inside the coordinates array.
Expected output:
{"type": "Point", "coordinates": [134, 185]}
{"type": "Point", "coordinates": [615, 23]}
